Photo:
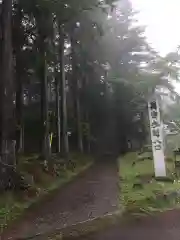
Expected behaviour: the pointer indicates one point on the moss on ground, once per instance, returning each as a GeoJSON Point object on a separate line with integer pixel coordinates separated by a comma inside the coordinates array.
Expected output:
{"type": "Point", "coordinates": [140, 191]}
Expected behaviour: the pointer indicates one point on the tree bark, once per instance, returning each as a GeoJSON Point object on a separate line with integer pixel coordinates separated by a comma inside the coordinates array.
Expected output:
{"type": "Point", "coordinates": [19, 116]}
{"type": "Point", "coordinates": [57, 89]}
{"type": "Point", "coordinates": [19, 82]}
{"type": "Point", "coordinates": [46, 149]}
{"type": "Point", "coordinates": [86, 114]}
{"type": "Point", "coordinates": [8, 159]}
{"type": "Point", "coordinates": [58, 116]}
{"type": "Point", "coordinates": [1, 86]}
{"type": "Point", "coordinates": [65, 142]}
{"type": "Point", "coordinates": [75, 89]}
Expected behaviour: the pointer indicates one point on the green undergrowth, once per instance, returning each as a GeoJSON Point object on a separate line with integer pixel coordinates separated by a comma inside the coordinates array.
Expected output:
{"type": "Point", "coordinates": [140, 192]}
{"type": "Point", "coordinates": [42, 181]}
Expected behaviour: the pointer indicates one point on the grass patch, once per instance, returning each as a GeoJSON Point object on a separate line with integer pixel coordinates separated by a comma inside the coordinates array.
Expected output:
{"type": "Point", "coordinates": [141, 192]}
{"type": "Point", "coordinates": [14, 204]}
{"type": "Point", "coordinates": [172, 143]}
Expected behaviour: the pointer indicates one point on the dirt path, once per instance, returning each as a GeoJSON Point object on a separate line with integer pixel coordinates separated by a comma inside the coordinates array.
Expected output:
{"type": "Point", "coordinates": [165, 226]}
{"type": "Point", "coordinates": [92, 194]}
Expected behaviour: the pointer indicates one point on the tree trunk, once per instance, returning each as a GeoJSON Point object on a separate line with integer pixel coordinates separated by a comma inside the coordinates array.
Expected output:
{"type": "Point", "coordinates": [85, 114]}
{"type": "Point", "coordinates": [19, 83]}
{"type": "Point", "coordinates": [19, 116]}
{"type": "Point", "coordinates": [75, 89]}
{"type": "Point", "coordinates": [46, 149]}
{"type": "Point", "coordinates": [58, 116]}
{"type": "Point", "coordinates": [1, 86]}
{"type": "Point", "coordinates": [57, 89]}
{"type": "Point", "coordinates": [65, 142]}
{"type": "Point", "coordinates": [8, 159]}
{"type": "Point", "coordinates": [79, 125]}
{"type": "Point", "coordinates": [88, 133]}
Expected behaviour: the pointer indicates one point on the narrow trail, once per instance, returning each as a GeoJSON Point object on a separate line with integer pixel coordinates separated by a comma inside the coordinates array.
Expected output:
{"type": "Point", "coordinates": [92, 194]}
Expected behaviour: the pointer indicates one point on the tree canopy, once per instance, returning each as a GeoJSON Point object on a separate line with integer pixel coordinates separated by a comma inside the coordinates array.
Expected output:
{"type": "Point", "coordinates": [75, 76]}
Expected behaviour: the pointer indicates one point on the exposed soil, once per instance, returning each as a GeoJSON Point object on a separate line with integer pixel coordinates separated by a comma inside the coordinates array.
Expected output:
{"type": "Point", "coordinates": [91, 195]}
{"type": "Point", "coordinates": [165, 226]}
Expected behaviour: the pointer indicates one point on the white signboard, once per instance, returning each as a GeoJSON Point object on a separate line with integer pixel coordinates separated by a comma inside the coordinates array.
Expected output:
{"type": "Point", "coordinates": [156, 127]}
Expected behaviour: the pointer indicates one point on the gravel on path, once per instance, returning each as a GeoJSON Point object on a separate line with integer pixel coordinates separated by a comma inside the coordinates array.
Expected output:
{"type": "Point", "coordinates": [92, 194]}
{"type": "Point", "coordinates": [164, 226]}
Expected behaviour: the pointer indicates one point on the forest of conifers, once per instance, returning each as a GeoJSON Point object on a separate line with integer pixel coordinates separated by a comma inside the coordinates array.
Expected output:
{"type": "Point", "coordinates": [75, 75]}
